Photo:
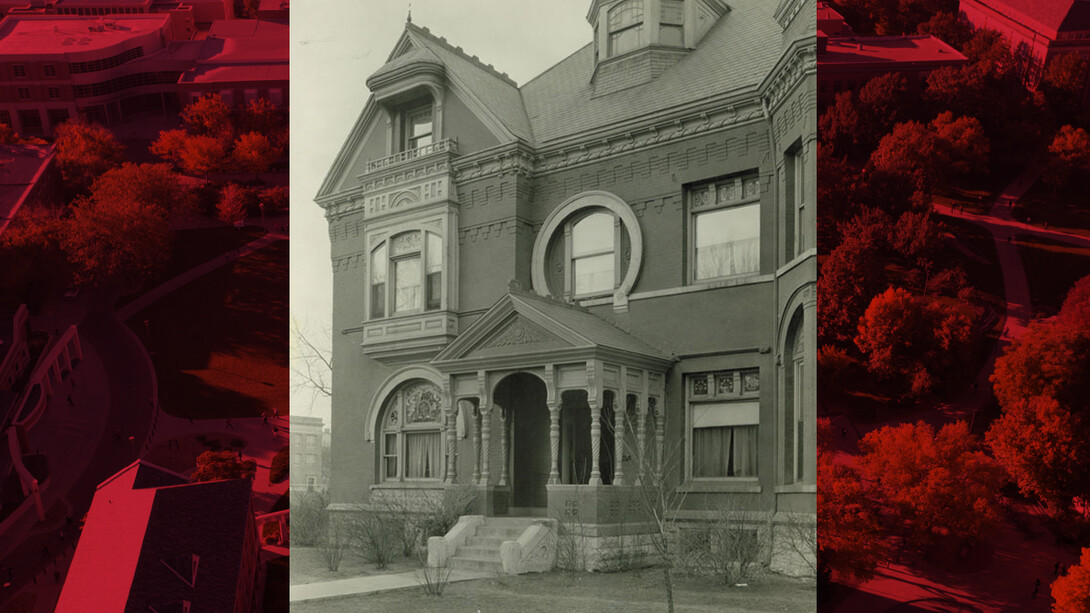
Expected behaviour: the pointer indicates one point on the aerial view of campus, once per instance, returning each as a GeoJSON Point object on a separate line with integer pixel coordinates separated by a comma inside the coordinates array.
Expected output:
{"type": "Point", "coordinates": [143, 305]}
{"type": "Point", "coordinates": [954, 302]}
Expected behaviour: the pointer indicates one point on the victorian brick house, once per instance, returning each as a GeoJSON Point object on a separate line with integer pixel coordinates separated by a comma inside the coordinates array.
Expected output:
{"type": "Point", "coordinates": [546, 290]}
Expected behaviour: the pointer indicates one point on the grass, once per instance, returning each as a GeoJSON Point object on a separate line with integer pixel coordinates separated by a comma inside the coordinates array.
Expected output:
{"type": "Point", "coordinates": [1052, 267]}
{"type": "Point", "coordinates": [307, 566]}
{"type": "Point", "coordinates": [194, 247]}
{"type": "Point", "coordinates": [632, 591]}
{"type": "Point", "coordinates": [220, 343]}
{"type": "Point", "coordinates": [1065, 211]}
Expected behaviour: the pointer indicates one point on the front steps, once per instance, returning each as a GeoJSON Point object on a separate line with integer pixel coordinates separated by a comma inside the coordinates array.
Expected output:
{"type": "Point", "coordinates": [481, 551]}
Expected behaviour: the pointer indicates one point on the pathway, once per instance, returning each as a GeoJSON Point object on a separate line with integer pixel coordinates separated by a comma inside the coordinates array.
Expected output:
{"type": "Point", "coordinates": [115, 387]}
{"type": "Point", "coordinates": [1005, 574]}
{"type": "Point", "coordinates": [373, 583]}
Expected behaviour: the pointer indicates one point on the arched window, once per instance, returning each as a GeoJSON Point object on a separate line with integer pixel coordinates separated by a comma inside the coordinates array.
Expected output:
{"type": "Point", "coordinates": [410, 441]}
{"type": "Point", "coordinates": [593, 247]}
{"type": "Point", "coordinates": [625, 27]}
{"type": "Point", "coordinates": [413, 262]}
{"type": "Point", "coordinates": [794, 412]}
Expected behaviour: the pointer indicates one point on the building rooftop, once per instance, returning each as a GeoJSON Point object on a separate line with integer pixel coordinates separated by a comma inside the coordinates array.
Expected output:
{"type": "Point", "coordinates": [152, 538]}
{"type": "Point", "coordinates": [79, 3]}
{"type": "Point", "coordinates": [1051, 16]}
{"type": "Point", "coordinates": [55, 34]}
{"type": "Point", "coordinates": [861, 51]}
{"type": "Point", "coordinates": [242, 50]}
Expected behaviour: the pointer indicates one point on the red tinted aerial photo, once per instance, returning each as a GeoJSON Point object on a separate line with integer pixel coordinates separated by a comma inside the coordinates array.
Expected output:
{"type": "Point", "coordinates": [954, 305]}
{"type": "Point", "coordinates": [143, 305]}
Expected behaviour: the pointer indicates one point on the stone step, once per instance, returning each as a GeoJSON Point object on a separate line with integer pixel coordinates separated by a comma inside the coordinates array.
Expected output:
{"type": "Point", "coordinates": [486, 541]}
{"type": "Point", "coordinates": [478, 551]}
{"type": "Point", "coordinates": [473, 563]}
{"type": "Point", "coordinates": [488, 531]}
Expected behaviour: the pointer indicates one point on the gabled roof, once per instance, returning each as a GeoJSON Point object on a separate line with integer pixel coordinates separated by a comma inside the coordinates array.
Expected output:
{"type": "Point", "coordinates": [535, 327]}
{"type": "Point", "coordinates": [495, 90]}
{"type": "Point", "coordinates": [735, 55]}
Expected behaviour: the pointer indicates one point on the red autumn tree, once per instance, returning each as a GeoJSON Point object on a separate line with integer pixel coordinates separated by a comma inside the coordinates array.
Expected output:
{"type": "Point", "coordinates": [84, 152]}
{"type": "Point", "coordinates": [33, 262]}
{"type": "Point", "coordinates": [1069, 152]}
{"type": "Point", "coordinates": [1071, 592]}
{"type": "Point", "coordinates": [116, 242]}
{"type": "Point", "coordinates": [1042, 384]}
{"type": "Point", "coordinates": [203, 155]}
{"type": "Point", "coordinates": [849, 535]}
{"type": "Point", "coordinates": [209, 116]}
{"type": "Point", "coordinates": [915, 342]}
{"type": "Point", "coordinates": [261, 116]}
{"type": "Point", "coordinates": [152, 184]}
{"type": "Point", "coordinates": [255, 153]}
{"type": "Point", "coordinates": [963, 147]}
{"type": "Point", "coordinates": [932, 153]}
{"type": "Point", "coordinates": [849, 277]}
{"type": "Point", "coordinates": [947, 27]}
{"type": "Point", "coordinates": [937, 482]}
{"type": "Point", "coordinates": [232, 204]}
{"type": "Point", "coordinates": [170, 145]}
{"type": "Point", "coordinates": [1063, 82]}
{"type": "Point", "coordinates": [219, 465]}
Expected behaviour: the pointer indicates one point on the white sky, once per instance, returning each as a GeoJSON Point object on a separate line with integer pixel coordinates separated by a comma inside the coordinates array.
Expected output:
{"type": "Point", "coordinates": [335, 46]}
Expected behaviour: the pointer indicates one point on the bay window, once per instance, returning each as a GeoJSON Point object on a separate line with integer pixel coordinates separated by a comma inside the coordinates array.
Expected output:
{"type": "Point", "coordinates": [412, 262]}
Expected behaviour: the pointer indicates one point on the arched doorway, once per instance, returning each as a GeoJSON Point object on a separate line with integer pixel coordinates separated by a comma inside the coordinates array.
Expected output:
{"type": "Point", "coordinates": [523, 398]}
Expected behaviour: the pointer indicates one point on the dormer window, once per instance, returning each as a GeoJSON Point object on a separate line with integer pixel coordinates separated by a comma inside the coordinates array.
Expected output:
{"type": "Point", "coordinates": [417, 127]}
{"type": "Point", "coordinates": [672, 23]}
{"type": "Point", "coordinates": [626, 27]}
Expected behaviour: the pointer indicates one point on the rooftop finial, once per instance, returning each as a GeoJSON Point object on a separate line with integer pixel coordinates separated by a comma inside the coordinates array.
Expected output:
{"type": "Point", "coordinates": [409, 19]}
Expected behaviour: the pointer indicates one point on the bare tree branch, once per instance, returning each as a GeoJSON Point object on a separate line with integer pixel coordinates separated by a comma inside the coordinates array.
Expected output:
{"type": "Point", "coordinates": [311, 363]}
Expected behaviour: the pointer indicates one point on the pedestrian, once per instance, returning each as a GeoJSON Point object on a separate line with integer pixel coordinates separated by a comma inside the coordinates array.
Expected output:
{"type": "Point", "coordinates": [1008, 238]}
{"type": "Point", "coordinates": [1033, 596]}
{"type": "Point", "coordinates": [1046, 225]}
{"type": "Point", "coordinates": [1056, 569]}
{"type": "Point", "coordinates": [239, 455]}
{"type": "Point", "coordinates": [70, 400]}
{"type": "Point", "coordinates": [57, 576]}
{"type": "Point", "coordinates": [276, 413]}
{"type": "Point", "coordinates": [264, 419]}
{"type": "Point", "coordinates": [275, 430]}
{"type": "Point", "coordinates": [844, 432]}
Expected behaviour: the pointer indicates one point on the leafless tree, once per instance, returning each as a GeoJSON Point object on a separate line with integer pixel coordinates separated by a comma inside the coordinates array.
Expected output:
{"type": "Point", "coordinates": [311, 362]}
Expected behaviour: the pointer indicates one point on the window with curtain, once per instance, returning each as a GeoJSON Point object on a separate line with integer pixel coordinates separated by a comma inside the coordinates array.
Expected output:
{"type": "Point", "coordinates": [625, 27]}
{"type": "Point", "coordinates": [412, 262]}
{"type": "Point", "coordinates": [726, 228]}
{"type": "Point", "coordinates": [411, 439]}
{"type": "Point", "coordinates": [417, 128]}
{"type": "Point", "coordinates": [724, 414]}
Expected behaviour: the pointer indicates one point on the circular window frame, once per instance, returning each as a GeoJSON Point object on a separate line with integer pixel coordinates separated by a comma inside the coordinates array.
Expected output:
{"type": "Point", "coordinates": [582, 203]}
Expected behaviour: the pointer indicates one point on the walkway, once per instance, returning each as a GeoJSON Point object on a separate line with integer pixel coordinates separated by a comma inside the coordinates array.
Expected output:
{"type": "Point", "coordinates": [1001, 577]}
{"type": "Point", "coordinates": [374, 583]}
{"type": "Point", "coordinates": [87, 440]}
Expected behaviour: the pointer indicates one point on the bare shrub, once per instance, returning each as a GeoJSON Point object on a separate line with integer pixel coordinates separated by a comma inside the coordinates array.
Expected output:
{"type": "Point", "coordinates": [376, 536]}
{"type": "Point", "coordinates": [309, 521]}
{"type": "Point", "coordinates": [333, 545]}
{"type": "Point", "coordinates": [730, 542]}
{"type": "Point", "coordinates": [433, 579]}
{"type": "Point", "coordinates": [798, 540]}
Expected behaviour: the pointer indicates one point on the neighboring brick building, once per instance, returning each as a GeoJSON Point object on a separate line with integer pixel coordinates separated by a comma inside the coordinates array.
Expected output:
{"type": "Point", "coordinates": [109, 69]}
{"type": "Point", "coordinates": [847, 61]}
{"type": "Point", "coordinates": [547, 290]}
{"type": "Point", "coordinates": [153, 541]}
{"type": "Point", "coordinates": [307, 454]}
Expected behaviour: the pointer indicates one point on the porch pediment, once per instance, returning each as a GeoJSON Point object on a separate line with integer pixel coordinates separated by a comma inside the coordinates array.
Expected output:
{"type": "Point", "coordinates": [523, 327]}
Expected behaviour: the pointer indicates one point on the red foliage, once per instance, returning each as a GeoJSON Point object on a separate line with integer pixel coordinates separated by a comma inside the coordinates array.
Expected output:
{"type": "Point", "coordinates": [849, 535]}
{"type": "Point", "coordinates": [209, 116]}
{"type": "Point", "coordinates": [254, 152]}
{"type": "Point", "coordinates": [1071, 592]}
{"type": "Point", "coordinates": [85, 151]}
{"type": "Point", "coordinates": [937, 482]}
{"type": "Point", "coordinates": [232, 204]}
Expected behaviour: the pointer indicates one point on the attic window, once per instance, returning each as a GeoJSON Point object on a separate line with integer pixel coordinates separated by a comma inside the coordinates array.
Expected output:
{"type": "Point", "coordinates": [672, 23]}
{"type": "Point", "coordinates": [417, 127]}
{"type": "Point", "coordinates": [626, 27]}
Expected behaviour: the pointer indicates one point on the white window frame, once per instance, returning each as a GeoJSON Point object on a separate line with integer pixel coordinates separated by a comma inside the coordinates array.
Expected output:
{"type": "Point", "coordinates": [570, 258]}
{"type": "Point", "coordinates": [716, 397]}
{"type": "Point", "coordinates": [390, 282]}
{"type": "Point", "coordinates": [715, 201]}
{"type": "Point", "coordinates": [613, 31]}
{"type": "Point", "coordinates": [395, 402]}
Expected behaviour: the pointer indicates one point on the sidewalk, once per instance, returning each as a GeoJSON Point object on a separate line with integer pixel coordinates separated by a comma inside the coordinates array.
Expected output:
{"type": "Point", "coordinates": [375, 583]}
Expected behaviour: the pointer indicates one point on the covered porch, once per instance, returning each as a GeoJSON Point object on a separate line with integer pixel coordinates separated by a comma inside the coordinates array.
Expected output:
{"type": "Point", "coordinates": [563, 410]}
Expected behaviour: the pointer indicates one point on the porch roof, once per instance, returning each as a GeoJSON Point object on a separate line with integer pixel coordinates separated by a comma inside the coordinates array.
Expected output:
{"type": "Point", "coordinates": [524, 327]}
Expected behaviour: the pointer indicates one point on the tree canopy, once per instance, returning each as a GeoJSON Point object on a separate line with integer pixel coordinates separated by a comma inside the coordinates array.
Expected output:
{"type": "Point", "coordinates": [1071, 592]}
{"type": "Point", "coordinates": [84, 152]}
{"type": "Point", "coordinates": [219, 465]}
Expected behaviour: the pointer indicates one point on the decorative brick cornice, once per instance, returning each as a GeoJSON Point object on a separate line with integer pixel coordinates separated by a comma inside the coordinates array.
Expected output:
{"type": "Point", "coordinates": [799, 61]}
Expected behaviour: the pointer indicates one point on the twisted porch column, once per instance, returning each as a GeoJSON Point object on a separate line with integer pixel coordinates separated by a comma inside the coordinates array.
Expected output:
{"type": "Point", "coordinates": [486, 442]}
{"type": "Point", "coordinates": [595, 438]}
{"type": "Point", "coordinates": [554, 443]}
{"type": "Point", "coordinates": [619, 410]}
{"type": "Point", "coordinates": [504, 446]}
{"type": "Point", "coordinates": [476, 414]}
{"type": "Point", "coordinates": [641, 440]}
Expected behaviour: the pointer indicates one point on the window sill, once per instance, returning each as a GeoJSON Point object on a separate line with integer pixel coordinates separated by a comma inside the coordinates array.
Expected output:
{"type": "Point", "coordinates": [748, 485]}
{"type": "Point", "coordinates": [410, 484]}
{"type": "Point", "coordinates": [797, 488]}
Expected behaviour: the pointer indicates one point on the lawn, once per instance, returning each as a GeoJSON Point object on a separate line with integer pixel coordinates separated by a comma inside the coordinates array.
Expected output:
{"type": "Point", "coordinates": [1052, 267]}
{"type": "Point", "coordinates": [191, 248]}
{"type": "Point", "coordinates": [632, 591]}
{"type": "Point", "coordinates": [220, 343]}
{"type": "Point", "coordinates": [307, 566]}
{"type": "Point", "coordinates": [1065, 210]}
